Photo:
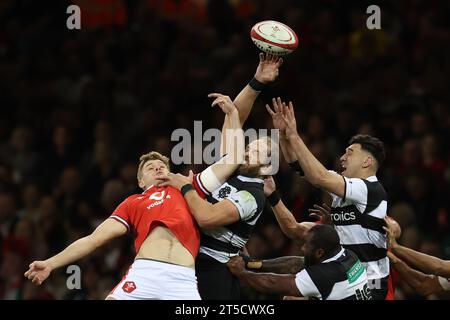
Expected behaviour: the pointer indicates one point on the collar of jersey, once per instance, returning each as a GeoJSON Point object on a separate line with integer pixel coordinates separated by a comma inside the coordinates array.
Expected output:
{"type": "Point", "coordinates": [248, 179]}
{"type": "Point", "coordinates": [335, 257]}
{"type": "Point", "coordinates": [372, 178]}
{"type": "Point", "coordinates": [148, 189]}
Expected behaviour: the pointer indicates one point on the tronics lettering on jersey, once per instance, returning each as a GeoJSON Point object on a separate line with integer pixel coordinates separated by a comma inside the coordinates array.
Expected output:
{"type": "Point", "coordinates": [358, 218]}
{"type": "Point", "coordinates": [343, 216]}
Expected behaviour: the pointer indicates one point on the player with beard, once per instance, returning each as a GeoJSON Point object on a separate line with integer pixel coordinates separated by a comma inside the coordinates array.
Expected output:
{"type": "Point", "coordinates": [234, 206]}
{"type": "Point", "coordinates": [326, 272]}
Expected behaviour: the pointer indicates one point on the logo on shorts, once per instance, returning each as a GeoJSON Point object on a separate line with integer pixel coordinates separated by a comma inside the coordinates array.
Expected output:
{"type": "Point", "coordinates": [129, 286]}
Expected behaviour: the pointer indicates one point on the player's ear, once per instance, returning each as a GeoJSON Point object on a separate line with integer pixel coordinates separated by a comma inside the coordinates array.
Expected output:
{"type": "Point", "coordinates": [319, 254]}
{"type": "Point", "coordinates": [368, 161]}
{"type": "Point", "coordinates": [141, 183]}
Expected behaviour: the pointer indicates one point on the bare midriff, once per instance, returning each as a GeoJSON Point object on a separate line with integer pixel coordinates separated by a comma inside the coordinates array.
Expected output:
{"type": "Point", "coordinates": [162, 245]}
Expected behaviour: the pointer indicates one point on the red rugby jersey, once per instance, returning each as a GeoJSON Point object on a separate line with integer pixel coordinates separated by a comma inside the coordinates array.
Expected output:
{"type": "Point", "coordinates": [166, 206]}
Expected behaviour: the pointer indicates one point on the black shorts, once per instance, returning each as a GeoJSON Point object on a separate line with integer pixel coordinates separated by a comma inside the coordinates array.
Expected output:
{"type": "Point", "coordinates": [215, 281]}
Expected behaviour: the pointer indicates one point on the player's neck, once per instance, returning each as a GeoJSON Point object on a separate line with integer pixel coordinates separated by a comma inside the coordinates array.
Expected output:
{"type": "Point", "coordinates": [366, 174]}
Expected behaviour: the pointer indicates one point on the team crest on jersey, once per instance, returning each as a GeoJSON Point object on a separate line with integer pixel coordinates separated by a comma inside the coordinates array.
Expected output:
{"type": "Point", "coordinates": [224, 191]}
{"type": "Point", "coordinates": [129, 286]}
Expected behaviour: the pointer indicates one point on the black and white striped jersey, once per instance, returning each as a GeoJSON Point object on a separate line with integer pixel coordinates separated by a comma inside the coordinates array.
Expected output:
{"type": "Point", "coordinates": [341, 277]}
{"type": "Point", "coordinates": [359, 219]}
{"type": "Point", "coordinates": [247, 195]}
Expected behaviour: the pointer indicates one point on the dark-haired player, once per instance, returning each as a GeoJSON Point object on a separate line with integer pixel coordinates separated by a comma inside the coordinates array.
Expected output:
{"type": "Point", "coordinates": [326, 272]}
{"type": "Point", "coordinates": [359, 201]}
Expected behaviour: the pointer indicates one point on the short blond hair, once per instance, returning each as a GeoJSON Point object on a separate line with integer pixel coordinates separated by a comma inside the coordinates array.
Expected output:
{"type": "Point", "coordinates": [152, 155]}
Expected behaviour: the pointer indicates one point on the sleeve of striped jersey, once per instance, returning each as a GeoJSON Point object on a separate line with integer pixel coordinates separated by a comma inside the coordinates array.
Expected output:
{"type": "Point", "coordinates": [245, 202]}
{"type": "Point", "coordinates": [199, 187]}
{"type": "Point", "coordinates": [305, 285]}
{"type": "Point", "coordinates": [445, 283]}
{"type": "Point", "coordinates": [122, 214]}
{"type": "Point", "coordinates": [333, 196]}
{"type": "Point", "coordinates": [355, 190]}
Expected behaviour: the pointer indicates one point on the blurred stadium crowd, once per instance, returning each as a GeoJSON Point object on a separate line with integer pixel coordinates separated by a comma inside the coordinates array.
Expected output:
{"type": "Point", "coordinates": [78, 108]}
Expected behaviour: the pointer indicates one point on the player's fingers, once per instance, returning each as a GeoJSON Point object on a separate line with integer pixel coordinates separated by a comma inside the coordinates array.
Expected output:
{"type": "Point", "coordinates": [285, 119]}
{"type": "Point", "coordinates": [270, 110]}
{"type": "Point", "coordinates": [280, 103]}
{"type": "Point", "coordinates": [322, 209]}
{"type": "Point", "coordinates": [36, 281]}
{"type": "Point", "coordinates": [164, 183]}
{"type": "Point", "coordinates": [315, 216]}
{"type": "Point", "coordinates": [318, 212]}
{"type": "Point", "coordinates": [275, 105]}
{"type": "Point", "coordinates": [216, 101]}
{"type": "Point", "coordinates": [290, 111]}
{"type": "Point", "coordinates": [291, 107]}
{"type": "Point", "coordinates": [31, 275]}
{"type": "Point", "coordinates": [26, 274]}
{"type": "Point", "coordinates": [280, 62]}
{"type": "Point", "coordinates": [261, 57]}
{"type": "Point", "coordinates": [214, 95]}
{"type": "Point", "coordinates": [326, 206]}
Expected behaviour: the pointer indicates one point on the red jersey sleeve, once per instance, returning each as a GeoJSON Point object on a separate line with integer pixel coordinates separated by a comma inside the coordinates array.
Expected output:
{"type": "Point", "coordinates": [122, 213]}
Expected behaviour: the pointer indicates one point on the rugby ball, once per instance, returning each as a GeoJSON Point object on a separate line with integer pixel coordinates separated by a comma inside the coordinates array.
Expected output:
{"type": "Point", "coordinates": [274, 37]}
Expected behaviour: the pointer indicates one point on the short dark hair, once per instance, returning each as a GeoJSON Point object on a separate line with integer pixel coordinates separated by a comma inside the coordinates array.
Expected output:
{"type": "Point", "coordinates": [370, 144]}
{"type": "Point", "coordinates": [325, 237]}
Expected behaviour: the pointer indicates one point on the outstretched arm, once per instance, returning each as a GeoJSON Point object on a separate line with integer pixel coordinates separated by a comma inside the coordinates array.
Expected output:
{"type": "Point", "coordinates": [266, 72]}
{"type": "Point", "coordinates": [218, 173]}
{"type": "Point", "coordinates": [422, 261]}
{"type": "Point", "coordinates": [423, 284]}
{"type": "Point", "coordinates": [314, 171]}
{"type": "Point", "coordinates": [283, 265]}
{"type": "Point", "coordinates": [109, 229]}
{"type": "Point", "coordinates": [278, 123]}
{"type": "Point", "coordinates": [290, 227]}
{"type": "Point", "coordinates": [264, 282]}
{"type": "Point", "coordinates": [206, 214]}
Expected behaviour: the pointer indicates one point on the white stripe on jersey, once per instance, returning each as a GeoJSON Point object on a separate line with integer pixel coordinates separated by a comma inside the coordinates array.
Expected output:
{"type": "Point", "coordinates": [355, 234]}
{"type": "Point", "coordinates": [200, 184]}
{"type": "Point", "coordinates": [340, 290]}
{"type": "Point", "coordinates": [306, 286]}
{"type": "Point", "coordinates": [120, 220]}
{"type": "Point", "coordinates": [226, 236]}
{"type": "Point", "coordinates": [248, 179]}
{"type": "Point", "coordinates": [343, 289]}
{"type": "Point", "coordinates": [377, 269]}
{"type": "Point", "coordinates": [218, 255]}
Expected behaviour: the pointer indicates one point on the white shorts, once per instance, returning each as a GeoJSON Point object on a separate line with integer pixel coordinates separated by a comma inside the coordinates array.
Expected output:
{"type": "Point", "coordinates": [154, 280]}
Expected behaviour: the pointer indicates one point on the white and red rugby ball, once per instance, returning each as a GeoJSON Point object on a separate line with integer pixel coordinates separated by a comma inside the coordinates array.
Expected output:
{"type": "Point", "coordinates": [274, 37]}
